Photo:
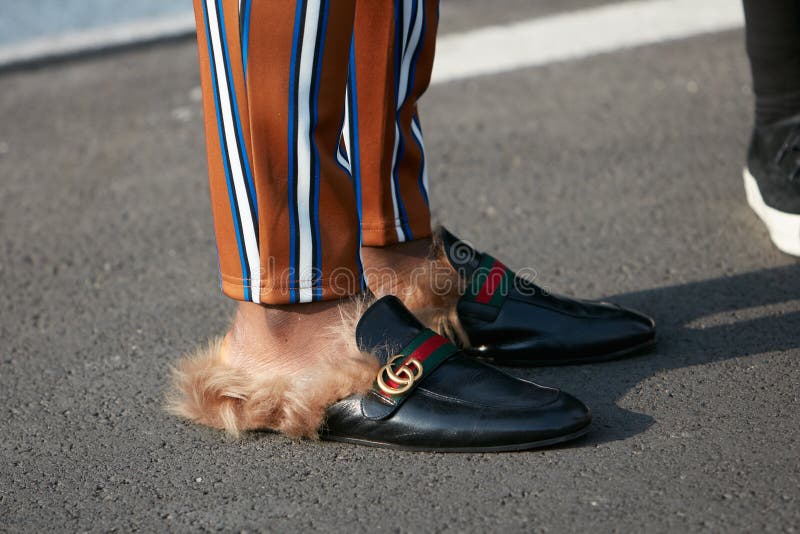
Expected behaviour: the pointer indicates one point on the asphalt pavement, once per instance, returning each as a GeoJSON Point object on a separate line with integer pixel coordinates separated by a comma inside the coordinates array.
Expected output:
{"type": "Point", "coordinates": [616, 176]}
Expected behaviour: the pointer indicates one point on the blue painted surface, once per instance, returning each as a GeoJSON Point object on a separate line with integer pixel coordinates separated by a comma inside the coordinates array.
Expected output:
{"type": "Point", "coordinates": [23, 20]}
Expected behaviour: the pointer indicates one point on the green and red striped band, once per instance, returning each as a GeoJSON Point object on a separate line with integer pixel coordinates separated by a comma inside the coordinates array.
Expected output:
{"type": "Point", "coordinates": [428, 348]}
{"type": "Point", "coordinates": [490, 282]}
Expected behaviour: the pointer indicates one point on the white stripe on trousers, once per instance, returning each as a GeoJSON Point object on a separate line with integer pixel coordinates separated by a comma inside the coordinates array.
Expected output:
{"type": "Point", "coordinates": [401, 235]}
{"type": "Point", "coordinates": [344, 159]}
{"type": "Point", "coordinates": [305, 174]}
{"type": "Point", "coordinates": [418, 135]}
{"type": "Point", "coordinates": [234, 162]}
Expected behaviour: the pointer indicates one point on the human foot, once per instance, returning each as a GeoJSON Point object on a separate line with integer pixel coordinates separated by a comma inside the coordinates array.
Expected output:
{"type": "Point", "coordinates": [397, 269]}
{"type": "Point", "coordinates": [420, 275]}
{"type": "Point", "coordinates": [288, 339]}
{"type": "Point", "coordinates": [278, 367]}
{"type": "Point", "coordinates": [426, 396]}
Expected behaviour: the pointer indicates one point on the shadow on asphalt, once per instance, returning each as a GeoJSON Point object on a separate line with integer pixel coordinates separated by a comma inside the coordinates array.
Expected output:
{"type": "Point", "coordinates": [698, 323]}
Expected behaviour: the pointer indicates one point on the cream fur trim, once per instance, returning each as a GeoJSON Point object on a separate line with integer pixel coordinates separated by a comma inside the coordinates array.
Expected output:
{"type": "Point", "coordinates": [209, 391]}
{"type": "Point", "coordinates": [433, 293]}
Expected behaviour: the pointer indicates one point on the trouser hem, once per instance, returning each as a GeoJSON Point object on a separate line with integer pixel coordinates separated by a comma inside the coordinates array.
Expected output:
{"type": "Point", "coordinates": [342, 285]}
{"type": "Point", "coordinates": [389, 232]}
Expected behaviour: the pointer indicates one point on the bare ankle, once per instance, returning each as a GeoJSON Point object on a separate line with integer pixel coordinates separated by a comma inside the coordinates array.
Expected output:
{"type": "Point", "coordinates": [416, 272]}
{"type": "Point", "coordinates": [395, 269]}
{"type": "Point", "coordinates": [286, 338]}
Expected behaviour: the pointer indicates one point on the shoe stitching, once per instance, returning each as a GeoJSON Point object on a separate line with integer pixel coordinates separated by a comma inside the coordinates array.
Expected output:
{"type": "Point", "coordinates": [472, 404]}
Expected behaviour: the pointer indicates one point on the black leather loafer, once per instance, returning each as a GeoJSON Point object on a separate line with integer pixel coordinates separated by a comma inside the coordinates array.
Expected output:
{"type": "Point", "coordinates": [429, 396]}
{"type": "Point", "coordinates": [511, 321]}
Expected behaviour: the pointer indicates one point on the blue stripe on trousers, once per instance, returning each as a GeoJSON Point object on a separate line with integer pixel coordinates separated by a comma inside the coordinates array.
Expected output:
{"type": "Point", "coordinates": [400, 141]}
{"type": "Point", "coordinates": [251, 189]}
{"type": "Point", "coordinates": [225, 161]}
{"type": "Point", "coordinates": [355, 159]}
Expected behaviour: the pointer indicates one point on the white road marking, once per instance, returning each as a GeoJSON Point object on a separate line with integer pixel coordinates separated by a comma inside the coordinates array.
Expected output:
{"type": "Point", "coordinates": [71, 44]}
{"type": "Point", "coordinates": [489, 50]}
{"type": "Point", "coordinates": [579, 34]}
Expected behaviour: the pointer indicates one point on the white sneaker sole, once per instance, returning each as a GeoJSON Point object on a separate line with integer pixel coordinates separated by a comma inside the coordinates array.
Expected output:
{"type": "Point", "coordinates": [784, 228]}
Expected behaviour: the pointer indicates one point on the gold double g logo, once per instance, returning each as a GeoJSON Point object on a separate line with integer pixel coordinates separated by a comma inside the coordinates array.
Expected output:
{"type": "Point", "coordinates": [404, 376]}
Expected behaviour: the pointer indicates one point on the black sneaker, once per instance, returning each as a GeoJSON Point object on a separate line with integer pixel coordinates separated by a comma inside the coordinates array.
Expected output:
{"type": "Point", "coordinates": [772, 181]}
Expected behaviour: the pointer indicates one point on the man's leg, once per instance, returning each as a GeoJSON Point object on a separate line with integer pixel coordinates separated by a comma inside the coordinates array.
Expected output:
{"type": "Point", "coordinates": [773, 45]}
{"type": "Point", "coordinates": [393, 50]}
{"type": "Point", "coordinates": [274, 126]}
{"type": "Point", "coordinates": [383, 135]}
{"type": "Point", "coordinates": [273, 110]}
{"type": "Point", "coordinates": [273, 77]}
{"type": "Point", "coordinates": [451, 286]}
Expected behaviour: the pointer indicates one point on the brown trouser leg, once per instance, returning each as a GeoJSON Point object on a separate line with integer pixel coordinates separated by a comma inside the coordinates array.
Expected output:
{"type": "Point", "coordinates": [390, 69]}
{"type": "Point", "coordinates": [287, 205]}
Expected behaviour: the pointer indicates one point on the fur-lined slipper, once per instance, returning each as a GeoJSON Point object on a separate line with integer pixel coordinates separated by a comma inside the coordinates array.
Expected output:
{"type": "Point", "coordinates": [483, 306]}
{"type": "Point", "coordinates": [403, 386]}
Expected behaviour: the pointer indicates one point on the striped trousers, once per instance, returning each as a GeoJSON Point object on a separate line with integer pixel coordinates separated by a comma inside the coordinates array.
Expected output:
{"type": "Point", "coordinates": [313, 138]}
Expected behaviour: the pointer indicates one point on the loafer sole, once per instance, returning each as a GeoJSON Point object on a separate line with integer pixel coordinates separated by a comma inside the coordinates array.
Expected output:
{"type": "Point", "coordinates": [495, 448]}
